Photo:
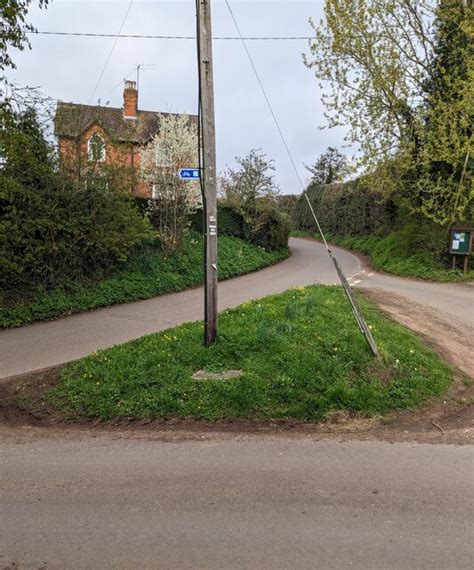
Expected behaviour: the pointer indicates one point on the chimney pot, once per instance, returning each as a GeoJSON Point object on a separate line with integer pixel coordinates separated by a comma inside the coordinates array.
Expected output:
{"type": "Point", "coordinates": [130, 100]}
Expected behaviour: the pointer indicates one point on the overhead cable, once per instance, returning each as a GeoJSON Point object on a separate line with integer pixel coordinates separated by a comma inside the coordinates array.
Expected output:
{"type": "Point", "coordinates": [117, 36]}
{"type": "Point", "coordinates": [164, 37]}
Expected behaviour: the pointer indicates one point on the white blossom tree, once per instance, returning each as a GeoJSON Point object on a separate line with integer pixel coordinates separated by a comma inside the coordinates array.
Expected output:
{"type": "Point", "coordinates": [173, 200]}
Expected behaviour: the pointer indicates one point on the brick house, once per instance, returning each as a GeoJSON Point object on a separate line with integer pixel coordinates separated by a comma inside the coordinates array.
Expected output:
{"type": "Point", "coordinates": [91, 134]}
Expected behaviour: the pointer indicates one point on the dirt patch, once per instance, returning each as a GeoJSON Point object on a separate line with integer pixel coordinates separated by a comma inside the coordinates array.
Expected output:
{"type": "Point", "coordinates": [454, 344]}
{"type": "Point", "coordinates": [22, 399]}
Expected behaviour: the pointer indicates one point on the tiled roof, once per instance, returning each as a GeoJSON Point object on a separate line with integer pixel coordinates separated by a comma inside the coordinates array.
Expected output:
{"type": "Point", "coordinates": [72, 120]}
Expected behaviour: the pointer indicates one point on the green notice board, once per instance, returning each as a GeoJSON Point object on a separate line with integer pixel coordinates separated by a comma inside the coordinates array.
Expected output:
{"type": "Point", "coordinates": [460, 242]}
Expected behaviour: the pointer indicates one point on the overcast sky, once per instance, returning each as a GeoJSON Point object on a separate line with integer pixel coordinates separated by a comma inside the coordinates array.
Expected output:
{"type": "Point", "coordinates": [68, 68]}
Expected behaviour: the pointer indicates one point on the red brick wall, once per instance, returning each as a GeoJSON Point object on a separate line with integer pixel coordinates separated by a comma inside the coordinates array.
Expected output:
{"type": "Point", "coordinates": [130, 102]}
{"type": "Point", "coordinates": [119, 154]}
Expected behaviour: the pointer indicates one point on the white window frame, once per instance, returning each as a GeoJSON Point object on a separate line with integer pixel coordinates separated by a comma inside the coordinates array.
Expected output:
{"type": "Point", "coordinates": [90, 151]}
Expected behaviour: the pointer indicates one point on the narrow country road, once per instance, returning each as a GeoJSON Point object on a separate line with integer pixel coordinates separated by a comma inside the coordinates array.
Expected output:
{"type": "Point", "coordinates": [444, 312]}
{"type": "Point", "coordinates": [96, 500]}
{"type": "Point", "coordinates": [41, 345]}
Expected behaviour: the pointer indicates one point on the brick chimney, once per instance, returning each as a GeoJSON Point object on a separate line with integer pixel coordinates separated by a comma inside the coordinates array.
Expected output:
{"type": "Point", "coordinates": [130, 100]}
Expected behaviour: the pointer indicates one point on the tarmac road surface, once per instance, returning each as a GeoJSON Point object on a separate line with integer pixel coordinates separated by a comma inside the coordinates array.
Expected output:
{"type": "Point", "coordinates": [253, 502]}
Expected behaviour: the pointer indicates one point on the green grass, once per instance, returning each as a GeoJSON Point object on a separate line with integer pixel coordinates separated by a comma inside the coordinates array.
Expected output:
{"type": "Point", "coordinates": [148, 274]}
{"type": "Point", "coordinates": [301, 353]}
{"type": "Point", "coordinates": [390, 253]}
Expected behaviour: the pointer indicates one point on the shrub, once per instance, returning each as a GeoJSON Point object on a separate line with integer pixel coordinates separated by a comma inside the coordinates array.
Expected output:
{"type": "Point", "coordinates": [266, 227]}
{"type": "Point", "coordinates": [141, 204]}
{"type": "Point", "coordinates": [269, 229]}
{"type": "Point", "coordinates": [54, 228]}
{"type": "Point", "coordinates": [229, 222]}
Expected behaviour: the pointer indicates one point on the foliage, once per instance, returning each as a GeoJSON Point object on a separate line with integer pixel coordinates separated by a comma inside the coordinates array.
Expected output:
{"type": "Point", "coordinates": [445, 185]}
{"type": "Point", "coordinates": [329, 168]}
{"type": "Point", "coordinates": [351, 208]}
{"type": "Point", "coordinates": [251, 191]}
{"type": "Point", "coordinates": [146, 274]}
{"type": "Point", "coordinates": [229, 222]}
{"type": "Point", "coordinates": [374, 55]}
{"type": "Point", "coordinates": [268, 227]}
{"type": "Point", "coordinates": [286, 204]}
{"type": "Point", "coordinates": [13, 28]}
{"type": "Point", "coordinates": [52, 228]}
{"type": "Point", "coordinates": [251, 181]}
{"type": "Point", "coordinates": [301, 353]}
{"type": "Point", "coordinates": [175, 146]}
{"type": "Point", "coordinates": [400, 75]}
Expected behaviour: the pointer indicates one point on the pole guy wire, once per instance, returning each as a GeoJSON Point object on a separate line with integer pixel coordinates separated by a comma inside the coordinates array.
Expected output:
{"type": "Point", "coordinates": [365, 330]}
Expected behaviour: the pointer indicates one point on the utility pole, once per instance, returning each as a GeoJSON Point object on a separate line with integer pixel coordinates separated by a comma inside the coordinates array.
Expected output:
{"type": "Point", "coordinates": [208, 167]}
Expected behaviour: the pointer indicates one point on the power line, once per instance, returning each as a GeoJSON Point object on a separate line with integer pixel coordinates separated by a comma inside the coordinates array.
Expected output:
{"type": "Point", "coordinates": [166, 37]}
{"type": "Point", "coordinates": [111, 50]}
{"type": "Point", "coordinates": [347, 289]}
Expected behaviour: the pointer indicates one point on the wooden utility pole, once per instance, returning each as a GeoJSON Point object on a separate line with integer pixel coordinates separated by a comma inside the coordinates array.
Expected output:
{"type": "Point", "coordinates": [208, 142]}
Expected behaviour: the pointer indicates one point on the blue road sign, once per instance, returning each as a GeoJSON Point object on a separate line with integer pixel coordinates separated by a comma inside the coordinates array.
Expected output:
{"type": "Point", "coordinates": [189, 173]}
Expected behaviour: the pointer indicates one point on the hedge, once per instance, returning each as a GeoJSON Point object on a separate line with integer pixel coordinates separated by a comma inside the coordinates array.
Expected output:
{"type": "Point", "coordinates": [346, 209]}
{"type": "Point", "coordinates": [354, 212]}
{"type": "Point", "coordinates": [229, 222]}
{"type": "Point", "coordinates": [270, 229]}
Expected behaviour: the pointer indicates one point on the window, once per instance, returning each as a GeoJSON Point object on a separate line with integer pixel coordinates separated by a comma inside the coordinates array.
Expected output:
{"type": "Point", "coordinates": [96, 148]}
{"type": "Point", "coordinates": [163, 156]}
{"type": "Point", "coordinates": [154, 192]}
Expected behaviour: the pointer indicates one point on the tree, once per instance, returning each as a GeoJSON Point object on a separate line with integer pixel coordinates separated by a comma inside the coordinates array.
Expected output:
{"type": "Point", "coordinates": [251, 190]}
{"type": "Point", "coordinates": [253, 180]}
{"type": "Point", "coordinates": [445, 184]}
{"type": "Point", "coordinates": [330, 167]}
{"type": "Point", "coordinates": [175, 146]}
{"type": "Point", "coordinates": [13, 28]}
{"type": "Point", "coordinates": [381, 60]}
{"type": "Point", "coordinates": [374, 56]}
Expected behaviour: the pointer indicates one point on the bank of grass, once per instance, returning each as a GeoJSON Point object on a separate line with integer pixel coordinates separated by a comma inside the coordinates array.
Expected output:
{"type": "Point", "coordinates": [148, 274]}
{"type": "Point", "coordinates": [389, 253]}
{"type": "Point", "coordinates": [301, 354]}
